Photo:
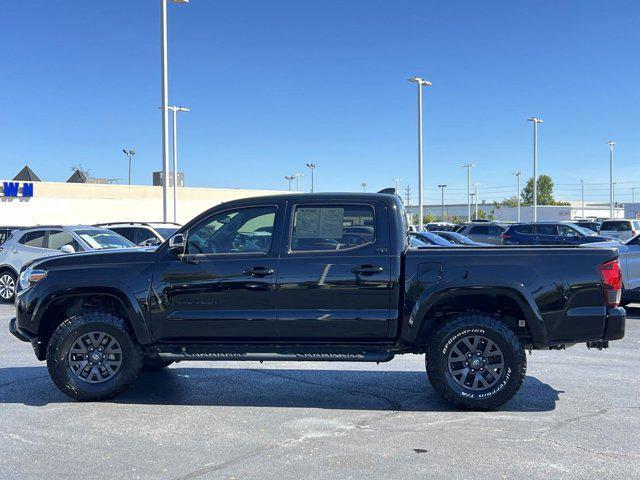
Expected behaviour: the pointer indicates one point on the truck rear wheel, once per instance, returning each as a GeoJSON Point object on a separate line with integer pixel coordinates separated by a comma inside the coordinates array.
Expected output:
{"type": "Point", "coordinates": [92, 356]}
{"type": "Point", "coordinates": [476, 362]}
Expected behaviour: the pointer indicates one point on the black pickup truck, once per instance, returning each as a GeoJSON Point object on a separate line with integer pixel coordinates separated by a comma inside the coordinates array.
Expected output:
{"type": "Point", "coordinates": [327, 277]}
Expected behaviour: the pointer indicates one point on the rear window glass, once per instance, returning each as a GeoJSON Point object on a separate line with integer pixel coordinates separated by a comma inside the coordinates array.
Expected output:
{"type": "Point", "coordinates": [616, 226]}
{"type": "Point", "coordinates": [523, 228]}
{"type": "Point", "coordinates": [479, 230]}
{"type": "Point", "coordinates": [33, 239]}
{"type": "Point", "coordinates": [546, 230]}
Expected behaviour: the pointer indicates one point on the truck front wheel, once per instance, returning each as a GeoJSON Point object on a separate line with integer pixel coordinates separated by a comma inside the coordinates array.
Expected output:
{"type": "Point", "coordinates": [92, 356]}
{"type": "Point", "coordinates": [476, 362]}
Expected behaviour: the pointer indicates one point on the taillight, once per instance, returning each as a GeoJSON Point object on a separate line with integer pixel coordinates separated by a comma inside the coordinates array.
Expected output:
{"type": "Point", "coordinates": [504, 236]}
{"type": "Point", "coordinates": [611, 275]}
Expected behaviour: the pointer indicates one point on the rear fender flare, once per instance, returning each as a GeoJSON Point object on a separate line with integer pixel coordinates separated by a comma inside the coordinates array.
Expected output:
{"type": "Point", "coordinates": [444, 291]}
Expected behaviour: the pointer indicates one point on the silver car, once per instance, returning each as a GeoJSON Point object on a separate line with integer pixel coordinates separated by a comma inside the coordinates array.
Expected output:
{"type": "Point", "coordinates": [483, 232]}
{"type": "Point", "coordinates": [26, 244]}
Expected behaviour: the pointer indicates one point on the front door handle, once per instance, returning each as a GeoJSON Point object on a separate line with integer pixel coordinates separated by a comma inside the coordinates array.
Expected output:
{"type": "Point", "coordinates": [259, 271]}
{"type": "Point", "coordinates": [367, 269]}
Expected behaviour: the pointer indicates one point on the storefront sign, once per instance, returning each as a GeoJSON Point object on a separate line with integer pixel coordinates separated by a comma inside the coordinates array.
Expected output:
{"type": "Point", "coordinates": [11, 189]}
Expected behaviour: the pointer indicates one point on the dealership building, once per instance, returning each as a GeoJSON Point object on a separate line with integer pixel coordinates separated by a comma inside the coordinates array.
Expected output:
{"type": "Point", "coordinates": [26, 201]}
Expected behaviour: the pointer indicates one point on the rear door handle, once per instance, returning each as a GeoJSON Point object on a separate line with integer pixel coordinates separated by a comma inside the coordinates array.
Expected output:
{"type": "Point", "coordinates": [367, 269]}
{"type": "Point", "coordinates": [259, 271]}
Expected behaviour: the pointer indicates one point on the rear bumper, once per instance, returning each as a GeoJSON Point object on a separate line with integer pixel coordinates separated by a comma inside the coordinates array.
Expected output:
{"type": "Point", "coordinates": [616, 319]}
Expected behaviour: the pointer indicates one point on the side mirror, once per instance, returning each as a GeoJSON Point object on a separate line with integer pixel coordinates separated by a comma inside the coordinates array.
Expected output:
{"type": "Point", "coordinates": [67, 249]}
{"type": "Point", "coordinates": [177, 243]}
{"type": "Point", "coordinates": [149, 242]}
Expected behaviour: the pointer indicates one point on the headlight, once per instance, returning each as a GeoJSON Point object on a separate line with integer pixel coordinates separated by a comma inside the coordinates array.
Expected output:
{"type": "Point", "coordinates": [29, 277]}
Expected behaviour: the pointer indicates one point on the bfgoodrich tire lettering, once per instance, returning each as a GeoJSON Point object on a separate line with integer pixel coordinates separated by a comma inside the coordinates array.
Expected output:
{"type": "Point", "coordinates": [62, 342]}
{"type": "Point", "coordinates": [476, 362]}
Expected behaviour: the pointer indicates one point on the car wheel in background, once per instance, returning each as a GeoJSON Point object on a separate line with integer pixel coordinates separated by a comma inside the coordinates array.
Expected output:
{"type": "Point", "coordinates": [476, 362]}
{"type": "Point", "coordinates": [8, 281]}
{"type": "Point", "coordinates": [92, 356]}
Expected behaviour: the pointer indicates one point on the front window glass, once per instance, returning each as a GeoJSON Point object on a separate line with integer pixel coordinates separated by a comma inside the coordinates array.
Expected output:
{"type": "Point", "coordinates": [166, 232]}
{"type": "Point", "coordinates": [58, 239]}
{"type": "Point", "coordinates": [100, 239]}
{"type": "Point", "coordinates": [542, 229]}
{"type": "Point", "coordinates": [334, 227]}
{"type": "Point", "coordinates": [248, 230]}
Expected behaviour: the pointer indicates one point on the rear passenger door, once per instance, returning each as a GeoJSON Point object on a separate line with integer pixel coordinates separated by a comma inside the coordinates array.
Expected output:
{"type": "Point", "coordinates": [31, 247]}
{"type": "Point", "coordinates": [547, 235]}
{"type": "Point", "coordinates": [335, 286]}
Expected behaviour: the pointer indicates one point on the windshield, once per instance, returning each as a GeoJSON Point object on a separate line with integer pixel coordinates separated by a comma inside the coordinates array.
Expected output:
{"type": "Point", "coordinates": [458, 237]}
{"type": "Point", "coordinates": [100, 239]}
{"type": "Point", "coordinates": [166, 232]}
{"type": "Point", "coordinates": [433, 239]}
{"type": "Point", "coordinates": [584, 231]}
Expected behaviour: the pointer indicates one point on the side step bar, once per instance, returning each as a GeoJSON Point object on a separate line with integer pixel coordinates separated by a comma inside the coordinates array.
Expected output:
{"type": "Point", "coordinates": [374, 356]}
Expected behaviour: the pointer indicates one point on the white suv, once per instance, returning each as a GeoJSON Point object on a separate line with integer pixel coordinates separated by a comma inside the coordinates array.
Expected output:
{"type": "Point", "coordinates": [142, 233]}
{"type": "Point", "coordinates": [620, 229]}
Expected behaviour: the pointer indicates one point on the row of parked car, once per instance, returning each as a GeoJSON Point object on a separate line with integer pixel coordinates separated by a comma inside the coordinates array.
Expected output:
{"type": "Point", "coordinates": [20, 245]}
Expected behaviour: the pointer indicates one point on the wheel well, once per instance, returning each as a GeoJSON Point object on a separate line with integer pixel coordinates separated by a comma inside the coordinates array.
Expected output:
{"type": "Point", "coordinates": [59, 310]}
{"type": "Point", "coordinates": [500, 306]}
{"type": "Point", "coordinates": [6, 268]}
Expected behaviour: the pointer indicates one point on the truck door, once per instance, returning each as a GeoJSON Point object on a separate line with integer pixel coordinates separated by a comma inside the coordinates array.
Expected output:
{"type": "Point", "coordinates": [334, 275]}
{"type": "Point", "coordinates": [223, 287]}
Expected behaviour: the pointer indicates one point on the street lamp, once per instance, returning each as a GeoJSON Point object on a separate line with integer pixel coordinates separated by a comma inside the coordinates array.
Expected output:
{"type": "Point", "coordinates": [468, 166]}
{"type": "Point", "coordinates": [312, 167]}
{"type": "Point", "coordinates": [289, 178]}
{"type": "Point", "coordinates": [175, 111]}
{"type": "Point", "coordinates": [582, 196]}
{"type": "Point", "coordinates": [614, 193]}
{"type": "Point", "coordinates": [364, 186]}
{"type": "Point", "coordinates": [535, 121]}
{"type": "Point", "coordinates": [129, 154]}
{"type": "Point", "coordinates": [396, 181]}
{"type": "Point", "coordinates": [165, 106]}
{"type": "Point", "coordinates": [476, 194]}
{"type": "Point", "coordinates": [517, 174]}
{"type": "Point", "coordinates": [297, 177]}
{"type": "Point", "coordinates": [421, 83]}
{"type": "Point", "coordinates": [442, 187]}
{"type": "Point", "coordinates": [611, 143]}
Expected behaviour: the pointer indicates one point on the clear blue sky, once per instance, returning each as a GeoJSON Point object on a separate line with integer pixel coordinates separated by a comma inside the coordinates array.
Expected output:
{"type": "Point", "coordinates": [273, 85]}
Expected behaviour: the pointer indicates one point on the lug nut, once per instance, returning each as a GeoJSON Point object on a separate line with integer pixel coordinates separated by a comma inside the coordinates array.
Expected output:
{"type": "Point", "coordinates": [473, 371]}
{"type": "Point", "coordinates": [484, 360]}
{"type": "Point", "coordinates": [478, 354]}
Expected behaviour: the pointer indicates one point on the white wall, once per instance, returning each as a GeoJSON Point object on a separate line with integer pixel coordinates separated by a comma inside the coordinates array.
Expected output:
{"type": "Point", "coordinates": [80, 203]}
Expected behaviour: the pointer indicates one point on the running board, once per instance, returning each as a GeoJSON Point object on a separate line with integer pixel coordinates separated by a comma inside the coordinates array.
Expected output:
{"type": "Point", "coordinates": [279, 357]}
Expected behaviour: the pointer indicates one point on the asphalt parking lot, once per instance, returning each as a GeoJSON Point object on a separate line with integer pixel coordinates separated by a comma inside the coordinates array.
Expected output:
{"type": "Point", "coordinates": [577, 416]}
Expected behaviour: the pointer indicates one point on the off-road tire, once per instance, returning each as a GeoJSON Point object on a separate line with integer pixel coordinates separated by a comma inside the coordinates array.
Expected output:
{"type": "Point", "coordinates": [447, 336]}
{"type": "Point", "coordinates": [153, 364]}
{"type": "Point", "coordinates": [58, 356]}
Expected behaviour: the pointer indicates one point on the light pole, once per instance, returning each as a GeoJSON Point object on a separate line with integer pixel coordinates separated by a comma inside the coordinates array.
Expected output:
{"type": "Point", "coordinates": [289, 178]}
{"type": "Point", "coordinates": [535, 121]}
{"type": "Point", "coordinates": [165, 106]}
{"type": "Point", "coordinates": [611, 143]}
{"type": "Point", "coordinates": [397, 183]}
{"type": "Point", "coordinates": [614, 194]}
{"type": "Point", "coordinates": [442, 187]}
{"type": "Point", "coordinates": [517, 174]}
{"type": "Point", "coordinates": [129, 153]}
{"type": "Point", "coordinates": [468, 166]}
{"type": "Point", "coordinates": [421, 83]}
{"type": "Point", "coordinates": [312, 167]}
{"type": "Point", "coordinates": [175, 111]}
{"type": "Point", "coordinates": [476, 193]}
{"type": "Point", "coordinates": [364, 186]}
{"type": "Point", "coordinates": [297, 177]}
{"type": "Point", "coordinates": [582, 196]}
{"type": "Point", "coordinates": [472, 198]}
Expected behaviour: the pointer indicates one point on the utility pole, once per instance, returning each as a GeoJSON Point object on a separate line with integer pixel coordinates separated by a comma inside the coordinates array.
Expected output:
{"type": "Point", "coordinates": [297, 177]}
{"type": "Point", "coordinates": [364, 186]}
{"type": "Point", "coordinates": [468, 166]}
{"type": "Point", "coordinates": [289, 178]}
{"type": "Point", "coordinates": [535, 121]}
{"type": "Point", "coordinates": [442, 187]}
{"type": "Point", "coordinates": [476, 185]}
{"type": "Point", "coordinates": [397, 183]}
{"type": "Point", "coordinates": [517, 174]}
{"type": "Point", "coordinates": [582, 195]}
{"type": "Point", "coordinates": [611, 143]}
{"type": "Point", "coordinates": [312, 167]}
{"type": "Point", "coordinates": [421, 83]}
{"type": "Point", "coordinates": [408, 193]}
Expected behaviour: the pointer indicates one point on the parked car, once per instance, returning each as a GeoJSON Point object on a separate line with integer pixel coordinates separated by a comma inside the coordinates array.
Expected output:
{"type": "Point", "coordinates": [441, 226]}
{"type": "Point", "coordinates": [484, 232]}
{"type": "Point", "coordinates": [550, 233]}
{"type": "Point", "coordinates": [620, 229]}
{"type": "Point", "coordinates": [28, 244]}
{"type": "Point", "coordinates": [431, 238]}
{"type": "Point", "coordinates": [629, 257]}
{"type": "Point", "coordinates": [142, 233]}
{"type": "Point", "coordinates": [209, 294]}
{"type": "Point", "coordinates": [593, 225]}
{"type": "Point", "coordinates": [459, 239]}
{"type": "Point", "coordinates": [5, 232]}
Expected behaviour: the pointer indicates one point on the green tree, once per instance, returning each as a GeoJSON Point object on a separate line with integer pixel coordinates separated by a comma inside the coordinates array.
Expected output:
{"type": "Point", "coordinates": [545, 191]}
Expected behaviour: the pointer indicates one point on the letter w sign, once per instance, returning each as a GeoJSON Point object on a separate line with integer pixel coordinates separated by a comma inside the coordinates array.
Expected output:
{"type": "Point", "coordinates": [11, 189]}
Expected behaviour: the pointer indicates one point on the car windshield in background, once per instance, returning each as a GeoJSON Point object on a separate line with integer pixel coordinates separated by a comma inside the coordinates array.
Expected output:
{"type": "Point", "coordinates": [583, 230]}
{"type": "Point", "coordinates": [166, 232]}
{"type": "Point", "coordinates": [433, 239]}
{"type": "Point", "coordinates": [458, 237]}
{"type": "Point", "coordinates": [103, 239]}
